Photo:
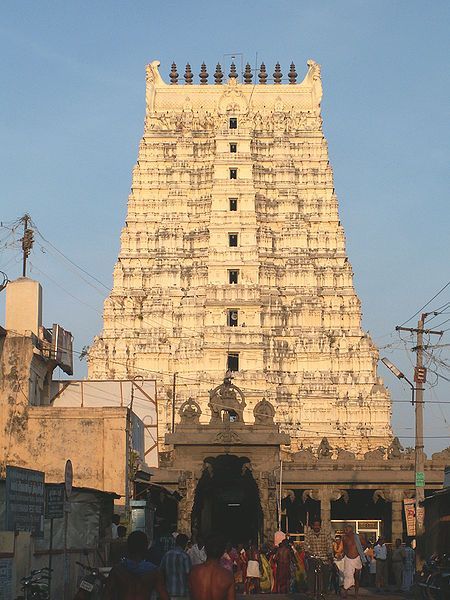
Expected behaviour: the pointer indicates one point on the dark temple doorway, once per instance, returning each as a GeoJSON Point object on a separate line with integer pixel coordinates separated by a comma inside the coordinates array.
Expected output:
{"type": "Point", "coordinates": [227, 501]}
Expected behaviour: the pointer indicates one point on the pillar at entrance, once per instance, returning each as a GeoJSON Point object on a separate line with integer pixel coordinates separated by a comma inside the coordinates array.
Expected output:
{"type": "Point", "coordinates": [326, 494]}
{"type": "Point", "coordinates": [396, 497]}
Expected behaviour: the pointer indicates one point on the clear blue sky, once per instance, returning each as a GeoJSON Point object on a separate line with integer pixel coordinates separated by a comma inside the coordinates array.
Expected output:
{"type": "Point", "coordinates": [71, 116]}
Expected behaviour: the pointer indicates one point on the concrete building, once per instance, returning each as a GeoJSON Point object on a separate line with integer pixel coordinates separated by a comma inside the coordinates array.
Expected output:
{"type": "Point", "coordinates": [233, 258]}
{"type": "Point", "coordinates": [36, 434]}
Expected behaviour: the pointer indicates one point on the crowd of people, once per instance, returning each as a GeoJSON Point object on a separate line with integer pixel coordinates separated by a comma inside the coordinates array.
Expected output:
{"type": "Point", "coordinates": [180, 569]}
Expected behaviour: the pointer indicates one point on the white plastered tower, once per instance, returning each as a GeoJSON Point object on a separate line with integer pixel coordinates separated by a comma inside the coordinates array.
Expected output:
{"type": "Point", "coordinates": [233, 255]}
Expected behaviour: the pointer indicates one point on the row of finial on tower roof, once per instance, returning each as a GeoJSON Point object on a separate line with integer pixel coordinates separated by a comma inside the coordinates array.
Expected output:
{"type": "Point", "coordinates": [218, 74]}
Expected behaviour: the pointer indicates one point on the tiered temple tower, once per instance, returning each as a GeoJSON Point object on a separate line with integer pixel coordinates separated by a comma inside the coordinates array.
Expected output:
{"type": "Point", "coordinates": [233, 258]}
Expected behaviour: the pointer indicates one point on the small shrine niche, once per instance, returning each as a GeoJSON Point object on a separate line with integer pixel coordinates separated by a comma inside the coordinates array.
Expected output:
{"type": "Point", "coordinates": [190, 412]}
{"type": "Point", "coordinates": [264, 413]}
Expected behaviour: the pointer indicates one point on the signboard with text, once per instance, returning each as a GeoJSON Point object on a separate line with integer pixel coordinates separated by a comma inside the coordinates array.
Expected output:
{"type": "Point", "coordinates": [6, 578]}
{"type": "Point", "coordinates": [54, 501]}
{"type": "Point", "coordinates": [25, 500]}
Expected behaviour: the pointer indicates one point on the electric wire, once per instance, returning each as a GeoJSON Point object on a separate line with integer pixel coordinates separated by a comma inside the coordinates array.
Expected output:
{"type": "Point", "coordinates": [67, 258]}
{"type": "Point", "coordinates": [200, 380]}
{"type": "Point", "coordinates": [425, 305]}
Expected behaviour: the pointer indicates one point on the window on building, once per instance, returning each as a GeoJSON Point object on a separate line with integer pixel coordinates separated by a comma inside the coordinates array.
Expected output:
{"type": "Point", "coordinates": [233, 123]}
{"type": "Point", "coordinates": [232, 317]}
{"type": "Point", "coordinates": [233, 203]}
{"type": "Point", "coordinates": [233, 362]}
{"type": "Point", "coordinates": [233, 173]}
{"type": "Point", "coordinates": [233, 276]}
{"type": "Point", "coordinates": [233, 148]}
{"type": "Point", "coordinates": [233, 239]}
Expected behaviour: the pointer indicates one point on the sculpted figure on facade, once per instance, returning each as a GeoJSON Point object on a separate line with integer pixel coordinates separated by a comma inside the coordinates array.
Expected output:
{"type": "Point", "coordinates": [305, 455]}
{"type": "Point", "coordinates": [226, 403]}
{"type": "Point", "coordinates": [314, 78]}
{"type": "Point", "coordinates": [442, 456]}
{"type": "Point", "coordinates": [190, 412]}
{"type": "Point", "coordinates": [324, 450]}
{"type": "Point", "coordinates": [395, 450]}
{"type": "Point", "coordinates": [375, 455]}
{"type": "Point", "coordinates": [345, 455]}
{"type": "Point", "coordinates": [264, 413]}
{"type": "Point", "coordinates": [153, 78]}
{"type": "Point", "coordinates": [313, 494]}
{"type": "Point", "coordinates": [336, 494]}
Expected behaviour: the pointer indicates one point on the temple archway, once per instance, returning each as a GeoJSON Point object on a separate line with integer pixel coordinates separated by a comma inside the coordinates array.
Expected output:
{"type": "Point", "coordinates": [227, 500]}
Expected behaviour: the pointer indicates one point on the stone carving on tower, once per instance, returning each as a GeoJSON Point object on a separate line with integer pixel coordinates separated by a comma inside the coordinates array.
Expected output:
{"type": "Point", "coordinates": [233, 257]}
{"type": "Point", "coordinates": [226, 403]}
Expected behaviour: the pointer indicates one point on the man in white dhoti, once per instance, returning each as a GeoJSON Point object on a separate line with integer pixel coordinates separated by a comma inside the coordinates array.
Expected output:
{"type": "Point", "coordinates": [353, 560]}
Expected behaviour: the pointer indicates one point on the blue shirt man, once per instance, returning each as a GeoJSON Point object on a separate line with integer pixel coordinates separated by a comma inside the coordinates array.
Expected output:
{"type": "Point", "coordinates": [175, 567]}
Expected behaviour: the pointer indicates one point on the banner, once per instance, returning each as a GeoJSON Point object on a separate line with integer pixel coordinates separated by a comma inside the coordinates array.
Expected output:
{"type": "Point", "coordinates": [409, 506]}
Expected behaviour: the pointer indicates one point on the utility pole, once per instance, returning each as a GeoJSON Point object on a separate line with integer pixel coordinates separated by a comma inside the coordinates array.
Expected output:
{"type": "Point", "coordinates": [27, 243]}
{"type": "Point", "coordinates": [420, 376]}
{"type": "Point", "coordinates": [174, 384]}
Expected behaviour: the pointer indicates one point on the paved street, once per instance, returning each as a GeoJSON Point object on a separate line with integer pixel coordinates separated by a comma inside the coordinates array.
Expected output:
{"type": "Point", "coordinates": [364, 595]}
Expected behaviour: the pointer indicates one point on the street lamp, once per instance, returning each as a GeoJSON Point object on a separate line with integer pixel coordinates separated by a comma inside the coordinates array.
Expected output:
{"type": "Point", "coordinates": [393, 369]}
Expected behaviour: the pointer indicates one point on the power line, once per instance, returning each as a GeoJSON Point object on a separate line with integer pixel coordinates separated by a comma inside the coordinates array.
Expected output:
{"type": "Point", "coordinates": [63, 288]}
{"type": "Point", "coordinates": [67, 258]}
{"type": "Point", "coordinates": [425, 305]}
{"type": "Point", "coordinates": [443, 323]}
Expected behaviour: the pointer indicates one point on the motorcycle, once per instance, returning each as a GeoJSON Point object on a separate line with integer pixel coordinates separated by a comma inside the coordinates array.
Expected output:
{"type": "Point", "coordinates": [35, 585]}
{"type": "Point", "coordinates": [92, 583]}
{"type": "Point", "coordinates": [434, 581]}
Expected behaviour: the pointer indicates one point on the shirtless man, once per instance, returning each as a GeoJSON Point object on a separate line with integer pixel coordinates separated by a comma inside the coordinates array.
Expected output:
{"type": "Point", "coordinates": [210, 581]}
{"type": "Point", "coordinates": [352, 560]}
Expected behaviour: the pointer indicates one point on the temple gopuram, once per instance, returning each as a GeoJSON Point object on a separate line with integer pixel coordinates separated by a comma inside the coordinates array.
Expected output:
{"type": "Point", "coordinates": [233, 289]}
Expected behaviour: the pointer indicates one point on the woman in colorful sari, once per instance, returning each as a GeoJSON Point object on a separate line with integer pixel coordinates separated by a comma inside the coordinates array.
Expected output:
{"type": "Point", "coordinates": [283, 558]}
{"type": "Point", "coordinates": [299, 568]}
{"type": "Point", "coordinates": [240, 574]}
{"type": "Point", "coordinates": [266, 582]}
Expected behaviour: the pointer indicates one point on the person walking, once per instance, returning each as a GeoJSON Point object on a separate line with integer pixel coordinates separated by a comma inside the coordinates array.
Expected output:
{"type": "Point", "coordinates": [409, 567]}
{"type": "Point", "coordinates": [381, 576]}
{"type": "Point", "coordinates": [318, 550]}
{"type": "Point", "coordinates": [338, 560]}
{"type": "Point", "coordinates": [175, 568]}
{"type": "Point", "coordinates": [398, 559]}
{"type": "Point", "coordinates": [135, 577]}
{"type": "Point", "coordinates": [354, 559]}
{"type": "Point", "coordinates": [211, 581]}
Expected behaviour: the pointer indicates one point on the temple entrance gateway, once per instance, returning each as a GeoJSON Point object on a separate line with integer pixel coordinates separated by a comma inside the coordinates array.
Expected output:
{"type": "Point", "coordinates": [227, 500]}
{"type": "Point", "coordinates": [234, 490]}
